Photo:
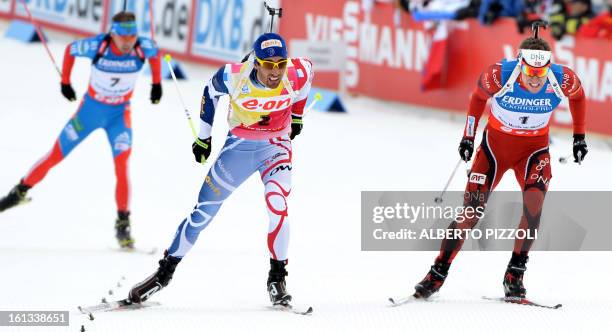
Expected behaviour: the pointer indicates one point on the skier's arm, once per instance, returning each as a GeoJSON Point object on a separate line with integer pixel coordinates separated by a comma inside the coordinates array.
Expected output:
{"type": "Point", "coordinates": [214, 89]}
{"type": "Point", "coordinates": [151, 53]}
{"type": "Point", "coordinates": [305, 76]}
{"type": "Point", "coordinates": [87, 47]}
{"type": "Point", "coordinates": [155, 64]}
{"type": "Point", "coordinates": [67, 65]}
{"type": "Point", "coordinates": [488, 84]}
{"type": "Point", "coordinates": [303, 68]}
{"type": "Point", "coordinates": [66, 87]}
{"type": "Point", "coordinates": [572, 88]}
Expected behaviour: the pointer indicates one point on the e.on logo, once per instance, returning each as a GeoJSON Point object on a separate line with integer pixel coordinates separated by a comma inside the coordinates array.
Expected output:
{"type": "Point", "coordinates": [270, 105]}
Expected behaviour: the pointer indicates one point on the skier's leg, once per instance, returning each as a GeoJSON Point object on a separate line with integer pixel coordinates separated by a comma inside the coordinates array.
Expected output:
{"type": "Point", "coordinates": [232, 167]}
{"type": "Point", "coordinates": [486, 172]}
{"type": "Point", "coordinates": [275, 172]}
{"type": "Point", "coordinates": [74, 132]}
{"type": "Point", "coordinates": [484, 176]}
{"type": "Point", "coordinates": [533, 174]}
{"type": "Point", "coordinates": [119, 134]}
{"type": "Point", "coordinates": [276, 175]}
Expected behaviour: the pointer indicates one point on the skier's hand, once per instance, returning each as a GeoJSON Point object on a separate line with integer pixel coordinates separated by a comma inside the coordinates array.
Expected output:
{"type": "Point", "coordinates": [580, 148]}
{"type": "Point", "coordinates": [68, 92]}
{"type": "Point", "coordinates": [156, 93]}
{"type": "Point", "coordinates": [296, 126]}
{"type": "Point", "coordinates": [201, 149]}
{"type": "Point", "coordinates": [466, 148]}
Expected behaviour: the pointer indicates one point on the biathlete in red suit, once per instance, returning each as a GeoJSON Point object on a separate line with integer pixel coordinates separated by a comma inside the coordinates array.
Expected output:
{"type": "Point", "coordinates": [524, 93]}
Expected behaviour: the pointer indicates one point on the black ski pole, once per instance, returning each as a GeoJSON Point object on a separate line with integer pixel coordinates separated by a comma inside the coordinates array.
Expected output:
{"type": "Point", "coordinates": [273, 12]}
{"type": "Point", "coordinates": [535, 27]}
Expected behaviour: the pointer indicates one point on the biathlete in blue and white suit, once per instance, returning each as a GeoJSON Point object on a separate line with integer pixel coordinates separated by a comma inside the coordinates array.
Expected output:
{"type": "Point", "coordinates": [117, 59]}
{"type": "Point", "coordinates": [267, 96]}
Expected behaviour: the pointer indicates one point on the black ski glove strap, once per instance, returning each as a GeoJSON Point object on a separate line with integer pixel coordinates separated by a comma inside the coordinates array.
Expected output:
{"type": "Point", "coordinates": [156, 93]}
{"type": "Point", "coordinates": [296, 126]}
{"type": "Point", "coordinates": [466, 148]}
{"type": "Point", "coordinates": [68, 92]}
{"type": "Point", "coordinates": [580, 148]}
{"type": "Point", "coordinates": [201, 149]}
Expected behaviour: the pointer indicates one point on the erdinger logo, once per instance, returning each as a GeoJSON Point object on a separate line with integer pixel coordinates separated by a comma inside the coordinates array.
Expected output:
{"type": "Point", "coordinates": [527, 101]}
{"type": "Point", "coordinates": [122, 64]}
{"type": "Point", "coordinates": [271, 105]}
{"type": "Point", "coordinates": [478, 178]}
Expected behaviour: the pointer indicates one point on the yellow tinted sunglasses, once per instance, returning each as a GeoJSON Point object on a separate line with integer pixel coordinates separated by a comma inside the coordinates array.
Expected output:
{"type": "Point", "coordinates": [282, 64]}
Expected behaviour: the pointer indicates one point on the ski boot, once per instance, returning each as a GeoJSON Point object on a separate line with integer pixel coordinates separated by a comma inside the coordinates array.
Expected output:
{"type": "Point", "coordinates": [16, 196]}
{"type": "Point", "coordinates": [155, 282]}
{"type": "Point", "coordinates": [432, 281]}
{"type": "Point", "coordinates": [122, 230]}
{"type": "Point", "coordinates": [277, 287]}
{"type": "Point", "coordinates": [513, 279]}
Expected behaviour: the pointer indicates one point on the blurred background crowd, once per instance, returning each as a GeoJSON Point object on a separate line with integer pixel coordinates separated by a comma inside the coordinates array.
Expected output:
{"type": "Point", "coordinates": [585, 18]}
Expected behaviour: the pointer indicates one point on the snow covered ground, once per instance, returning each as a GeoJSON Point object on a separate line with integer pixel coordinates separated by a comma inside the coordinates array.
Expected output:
{"type": "Point", "coordinates": [55, 251]}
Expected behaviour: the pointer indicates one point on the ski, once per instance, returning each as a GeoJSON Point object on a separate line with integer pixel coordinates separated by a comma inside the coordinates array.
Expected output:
{"type": "Point", "coordinates": [290, 308]}
{"type": "Point", "coordinates": [143, 251]}
{"type": "Point", "coordinates": [523, 301]}
{"type": "Point", "coordinates": [404, 300]}
{"type": "Point", "coordinates": [401, 301]}
{"type": "Point", "coordinates": [120, 305]}
{"type": "Point", "coordinates": [4, 205]}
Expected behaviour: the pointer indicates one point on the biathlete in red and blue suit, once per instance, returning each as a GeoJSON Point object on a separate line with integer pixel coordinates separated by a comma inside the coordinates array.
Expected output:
{"type": "Point", "coordinates": [117, 58]}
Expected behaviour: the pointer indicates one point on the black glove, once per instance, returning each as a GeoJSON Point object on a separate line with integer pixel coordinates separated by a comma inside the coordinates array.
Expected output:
{"type": "Point", "coordinates": [466, 149]}
{"type": "Point", "coordinates": [580, 148]}
{"type": "Point", "coordinates": [296, 126]}
{"type": "Point", "coordinates": [156, 93]}
{"type": "Point", "coordinates": [68, 92]}
{"type": "Point", "coordinates": [201, 149]}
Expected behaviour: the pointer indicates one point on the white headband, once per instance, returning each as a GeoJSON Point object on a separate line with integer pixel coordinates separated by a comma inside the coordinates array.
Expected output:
{"type": "Point", "coordinates": [536, 58]}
